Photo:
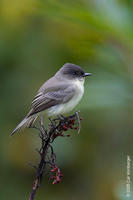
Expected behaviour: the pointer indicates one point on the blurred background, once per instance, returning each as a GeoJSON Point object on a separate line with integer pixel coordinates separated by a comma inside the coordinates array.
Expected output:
{"type": "Point", "coordinates": [36, 38]}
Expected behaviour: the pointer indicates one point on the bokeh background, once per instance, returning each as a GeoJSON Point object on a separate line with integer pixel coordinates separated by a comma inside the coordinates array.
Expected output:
{"type": "Point", "coordinates": [36, 38]}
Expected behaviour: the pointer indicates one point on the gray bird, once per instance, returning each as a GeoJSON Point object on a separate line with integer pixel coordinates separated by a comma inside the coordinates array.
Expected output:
{"type": "Point", "coordinates": [59, 95]}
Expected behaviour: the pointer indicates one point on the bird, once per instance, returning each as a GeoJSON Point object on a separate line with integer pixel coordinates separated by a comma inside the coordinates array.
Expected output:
{"type": "Point", "coordinates": [58, 95]}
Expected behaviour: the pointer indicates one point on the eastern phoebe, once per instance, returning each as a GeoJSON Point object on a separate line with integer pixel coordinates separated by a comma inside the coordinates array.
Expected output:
{"type": "Point", "coordinates": [59, 95]}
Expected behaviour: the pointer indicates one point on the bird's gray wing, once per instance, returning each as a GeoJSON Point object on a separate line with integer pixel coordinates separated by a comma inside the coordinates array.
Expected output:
{"type": "Point", "coordinates": [43, 101]}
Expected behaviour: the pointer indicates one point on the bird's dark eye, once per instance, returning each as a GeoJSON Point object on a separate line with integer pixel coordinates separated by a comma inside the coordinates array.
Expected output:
{"type": "Point", "coordinates": [74, 73]}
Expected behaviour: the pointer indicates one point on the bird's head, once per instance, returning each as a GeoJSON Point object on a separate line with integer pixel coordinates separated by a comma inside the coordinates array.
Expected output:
{"type": "Point", "coordinates": [71, 72]}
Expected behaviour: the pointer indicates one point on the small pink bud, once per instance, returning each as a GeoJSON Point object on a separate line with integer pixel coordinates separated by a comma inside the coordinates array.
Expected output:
{"type": "Point", "coordinates": [61, 175]}
{"type": "Point", "coordinates": [73, 121]}
{"type": "Point", "coordinates": [58, 179]}
{"type": "Point", "coordinates": [65, 128]}
{"type": "Point", "coordinates": [52, 177]}
{"type": "Point", "coordinates": [54, 182]}
{"type": "Point", "coordinates": [54, 169]}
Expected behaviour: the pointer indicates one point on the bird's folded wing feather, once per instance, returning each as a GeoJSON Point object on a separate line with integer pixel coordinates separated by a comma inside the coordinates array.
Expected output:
{"type": "Point", "coordinates": [43, 101]}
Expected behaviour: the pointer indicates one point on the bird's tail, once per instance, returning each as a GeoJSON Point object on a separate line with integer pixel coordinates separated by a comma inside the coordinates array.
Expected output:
{"type": "Point", "coordinates": [26, 122]}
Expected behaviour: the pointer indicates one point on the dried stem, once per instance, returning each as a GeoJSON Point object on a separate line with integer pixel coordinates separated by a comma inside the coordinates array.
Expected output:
{"type": "Point", "coordinates": [57, 127]}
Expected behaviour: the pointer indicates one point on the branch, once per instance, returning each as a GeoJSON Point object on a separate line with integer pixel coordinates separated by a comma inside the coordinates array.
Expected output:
{"type": "Point", "coordinates": [57, 128]}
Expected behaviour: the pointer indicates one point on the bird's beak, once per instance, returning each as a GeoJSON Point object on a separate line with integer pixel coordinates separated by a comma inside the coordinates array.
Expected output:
{"type": "Point", "coordinates": [87, 74]}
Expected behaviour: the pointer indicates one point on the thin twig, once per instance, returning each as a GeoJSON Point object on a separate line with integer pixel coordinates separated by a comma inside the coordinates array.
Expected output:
{"type": "Point", "coordinates": [57, 127]}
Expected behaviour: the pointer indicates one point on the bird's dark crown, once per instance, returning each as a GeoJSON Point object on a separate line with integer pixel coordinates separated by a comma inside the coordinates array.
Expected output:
{"type": "Point", "coordinates": [72, 70]}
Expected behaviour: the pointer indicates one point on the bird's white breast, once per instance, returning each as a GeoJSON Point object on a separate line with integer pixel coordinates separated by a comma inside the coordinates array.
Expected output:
{"type": "Point", "coordinates": [67, 107]}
